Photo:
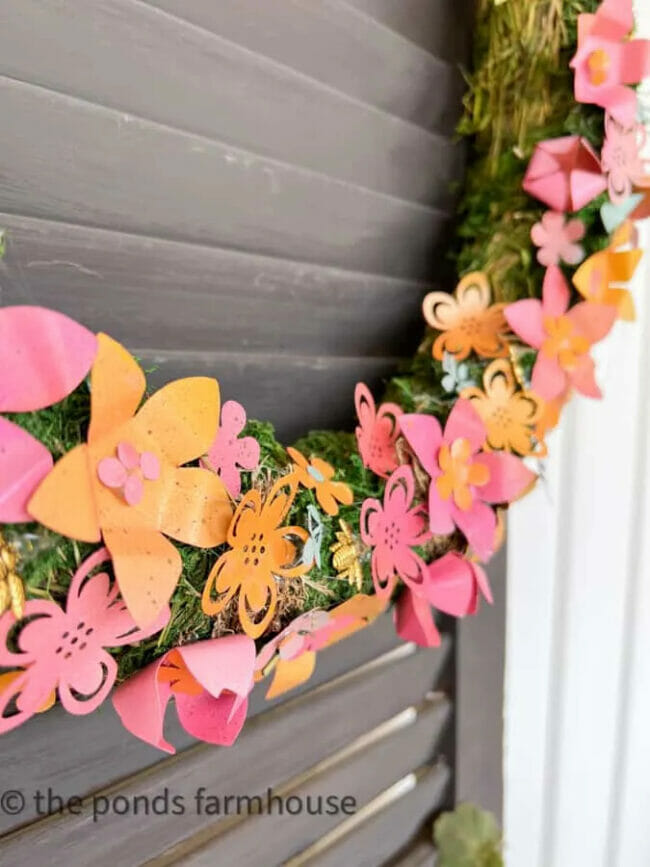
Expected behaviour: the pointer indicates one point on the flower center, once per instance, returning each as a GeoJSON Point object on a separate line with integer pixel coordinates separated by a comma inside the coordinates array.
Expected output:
{"type": "Point", "coordinates": [128, 471]}
{"type": "Point", "coordinates": [470, 325]}
{"type": "Point", "coordinates": [74, 640]}
{"type": "Point", "coordinates": [459, 473]}
{"type": "Point", "coordinates": [255, 550]}
{"type": "Point", "coordinates": [391, 535]}
{"type": "Point", "coordinates": [563, 343]}
{"type": "Point", "coordinates": [598, 64]}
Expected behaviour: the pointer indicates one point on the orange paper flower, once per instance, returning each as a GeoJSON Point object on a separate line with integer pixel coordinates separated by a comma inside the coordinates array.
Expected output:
{"type": "Point", "coordinates": [316, 474]}
{"type": "Point", "coordinates": [262, 551]}
{"type": "Point", "coordinates": [467, 321]}
{"type": "Point", "coordinates": [127, 486]}
{"type": "Point", "coordinates": [509, 414]}
{"type": "Point", "coordinates": [599, 278]}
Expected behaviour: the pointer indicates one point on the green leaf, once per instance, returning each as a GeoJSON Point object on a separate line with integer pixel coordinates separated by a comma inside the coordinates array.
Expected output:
{"type": "Point", "coordinates": [468, 837]}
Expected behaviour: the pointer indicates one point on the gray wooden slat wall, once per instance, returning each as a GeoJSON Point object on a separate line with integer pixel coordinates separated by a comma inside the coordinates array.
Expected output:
{"type": "Point", "coordinates": [239, 179]}
{"type": "Point", "coordinates": [258, 191]}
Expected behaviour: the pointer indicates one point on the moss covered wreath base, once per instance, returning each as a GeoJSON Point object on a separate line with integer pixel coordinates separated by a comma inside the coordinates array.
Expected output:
{"type": "Point", "coordinates": [162, 547]}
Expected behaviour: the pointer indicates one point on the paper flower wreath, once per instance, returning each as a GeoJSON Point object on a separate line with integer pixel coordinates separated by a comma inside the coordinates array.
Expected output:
{"type": "Point", "coordinates": [127, 485]}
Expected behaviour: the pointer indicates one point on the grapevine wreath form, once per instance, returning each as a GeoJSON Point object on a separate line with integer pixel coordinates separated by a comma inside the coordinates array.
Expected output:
{"type": "Point", "coordinates": [160, 547]}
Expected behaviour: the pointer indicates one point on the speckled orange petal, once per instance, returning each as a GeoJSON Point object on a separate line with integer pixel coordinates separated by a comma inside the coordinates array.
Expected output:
{"type": "Point", "coordinates": [195, 508]}
{"type": "Point", "coordinates": [117, 387]}
{"type": "Point", "coordinates": [65, 502]}
{"type": "Point", "coordinates": [362, 608]}
{"type": "Point", "coordinates": [182, 418]}
{"type": "Point", "coordinates": [224, 580]}
{"type": "Point", "coordinates": [278, 502]}
{"type": "Point", "coordinates": [147, 568]}
{"type": "Point", "coordinates": [290, 673]}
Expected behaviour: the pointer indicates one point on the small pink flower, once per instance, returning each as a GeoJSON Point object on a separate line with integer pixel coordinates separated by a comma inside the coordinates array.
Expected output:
{"type": "Point", "coordinates": [621, 158]}
{"type": "Point", "coordinates": [607, 60]}
{"type": "Point", "coordinates": [230, 453]}
{"type": "Point", "coordinates": [465, 481]}
{"type": "Point", "coordinates": [393, 530]}
{"type": "Point", "coordinates": [562, 336]}
{"type": "Point", "coordinates": [557, 239]}
{"type": "Point", "coordinates": [453, 585]}
{"type": "Point", "coordinates": [64, 650]}
{"type": "Point", "coordinates": [127, 471]}
{"type": "Point", "coordinates": [209, 682]}
{"type": "Point", "coordinates": [377, 432]}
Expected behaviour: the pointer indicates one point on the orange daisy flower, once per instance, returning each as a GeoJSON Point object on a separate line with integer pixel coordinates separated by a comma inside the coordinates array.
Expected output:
{"type": "Point", "coordinates": [510, 415]}
{"type": "Point", "coordinates": [127, 485]}
{"type": "Point", "coordinates": [467, 320]}
{"type": "Point", "coordinates": [316, 474]}
{"type": "Point", "coordinates": [262, 550]}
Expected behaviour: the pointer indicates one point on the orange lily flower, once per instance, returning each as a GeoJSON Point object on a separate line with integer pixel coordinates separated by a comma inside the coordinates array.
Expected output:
{"type": "Point", "coordinates": [467, 320]}
{"type": "Point", "coordinates": [317, 474]}
{"type": "Point", "coordinates": [599, 278]}
{"type": "Point", "coordinates": [509, 413]}
{"type": "Point", "coordinates": [262, 550]}
{"type": "Point", "coordinates": [127, 485]}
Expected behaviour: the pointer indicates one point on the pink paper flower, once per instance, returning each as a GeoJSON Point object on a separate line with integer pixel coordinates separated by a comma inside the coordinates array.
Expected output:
{"type": "Point", "coordinates": [230, 453]}
{"type": "Point", "coordinates": [564, 173]}
{"type": "Point", "coordinates": [43, 357]}
{"type": "Point", "coordinates": [209, 681]}
{"type": "Point", "coordinates": [465, 481]}
{"type": "Point", "coordinates": [562, 336]}
{"type": "Point", "coordinates": [64, 650]}
{"type": "Point", "coordinates": [393, 530]}
{"type": "Point", "coordinates": [607, 60]}
{"type": "Point", "coordinates": [557, 239]}
{"type": "Point", "coordinates": [377, 432]}
{"type": "Point", "coordinates": [128, 471]}
{"type": "Point", "coordinates": [308, 632]}
{"type": "Point", "coordinates": [453, 585]}
{"type": "Point", "coordinates": [621, 158]}
{"type": "Point", "coordinates": [24, 463]}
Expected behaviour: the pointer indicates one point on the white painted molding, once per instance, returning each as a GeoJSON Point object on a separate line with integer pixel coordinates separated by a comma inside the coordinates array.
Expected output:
{"type": "Point", "coordinates": [577, 703]}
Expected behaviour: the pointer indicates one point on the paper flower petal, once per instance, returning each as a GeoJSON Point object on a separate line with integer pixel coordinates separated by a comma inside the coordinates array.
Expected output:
{"type": "Point", "coordinates": [44, 356]}
{"type": "Point", "coordinates": [117, 386]}
{"type": "Point", "coordinates": [414, 620]}
{"type": "Point", "coordinates": [451, 586]}
{"type": "Point", "coordinates": [525, 319]}
{"type": "Point", "coordinates": [24, 463]}
{"type": "Point", "coordinates": [509, 477]}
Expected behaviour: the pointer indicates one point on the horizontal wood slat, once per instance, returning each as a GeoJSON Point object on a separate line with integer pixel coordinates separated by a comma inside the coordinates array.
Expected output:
{"type": "Point", "coordinates": [185, 296]}
{"type": "Point", "coordinates": [79, 755]}
{"type": "Point", "coordinates": [216, 89]}
{"type": "Point", "coordinates": [332, 43]}
{"type": "Point", "coordinates": [362, 771]}
{"type": "Point", "coordinates": [440, 26]}
{"type": "Point", "coordinates": [422, 854]}
{"type": "Point", "coordinates": [110, 170]}
{"type": "Point", "coordinates": [387, 828]}
{"type": "Point", "coordinates": [273, 747]}
{"type": "Point", "coordinates": [296, 394]}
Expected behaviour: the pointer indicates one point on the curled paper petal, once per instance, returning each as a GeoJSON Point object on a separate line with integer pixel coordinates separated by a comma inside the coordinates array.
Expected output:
{"type": "Point", "coordinates": [24, 463]}
{"type": "Point", "coordinates": [603, 276]}
{"type": "Point", "coordinates": [209, 682]}
{"type": "Point", "coordinates": [564, 173]}
{"type": "Point", "coordinates": [44, 356]}
{"type": "Point", "coordinates": [414, 620]}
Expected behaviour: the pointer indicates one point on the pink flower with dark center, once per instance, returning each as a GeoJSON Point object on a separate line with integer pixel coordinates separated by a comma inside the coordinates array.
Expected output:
{"type": "Point", "coordinates": [377, 432]}
{"type": "Point", "coordinates": [65, 649]}
{"type": "Point", "coordinates": [465, 480]}
{"type": "Point", "coordinates": [557, 239]}
{"type": "Point", "coordinates": [621, 158]}
{"type": "Point", "coordinates": [393, 529]}
{"type": "Point", "coordinates": [128, 472]}
{"type": "Point", "coordinates": [230, 453]}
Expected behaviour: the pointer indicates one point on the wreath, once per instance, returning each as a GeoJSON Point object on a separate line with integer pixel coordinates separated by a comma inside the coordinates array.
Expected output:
{"type": "Point", "coordinates": [163, 547]}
